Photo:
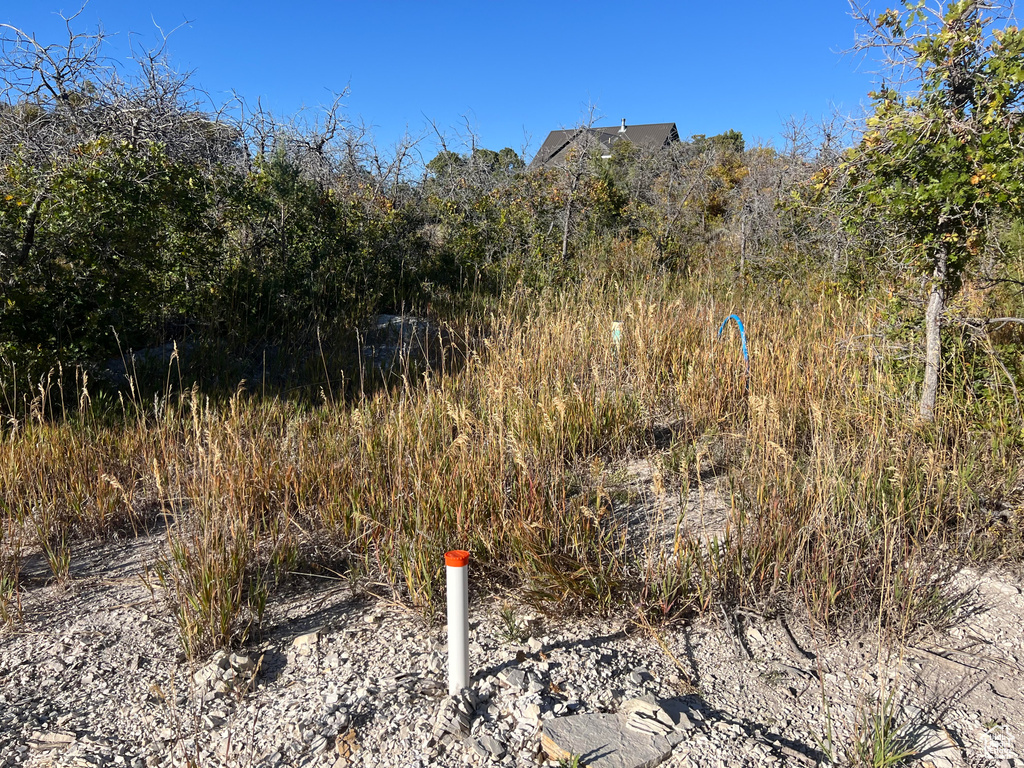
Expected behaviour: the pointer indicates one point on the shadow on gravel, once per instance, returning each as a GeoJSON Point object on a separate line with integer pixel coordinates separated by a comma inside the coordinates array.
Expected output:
{"type": "Point", "coordinates": [272, 664]}
{"type": "Point", "coordinates": [708, 715]}
{"type": "Point", "coordinates": [691, 658]}
{"type": "Point", "coordinates": [122, 553]}
{"type": "Point", "coordinates": [331, 610]}
{"type": "Point", "coordinates": [588, 642]}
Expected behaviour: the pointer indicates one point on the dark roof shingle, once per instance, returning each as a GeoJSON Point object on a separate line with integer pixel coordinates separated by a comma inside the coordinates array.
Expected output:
{"type": "Point", "coordinates": [651, 136]}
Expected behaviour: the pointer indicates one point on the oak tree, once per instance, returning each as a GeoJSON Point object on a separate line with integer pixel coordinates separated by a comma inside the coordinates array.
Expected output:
{"type": "Point", "coordinates": [943, 151]}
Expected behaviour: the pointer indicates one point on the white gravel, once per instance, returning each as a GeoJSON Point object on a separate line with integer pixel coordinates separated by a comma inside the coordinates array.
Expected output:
{"type": "Point", "coordinates": [95, 677]}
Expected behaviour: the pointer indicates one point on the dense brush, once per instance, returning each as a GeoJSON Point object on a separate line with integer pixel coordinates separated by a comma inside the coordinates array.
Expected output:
{"type": "Point", "coordinates": [839, 500]}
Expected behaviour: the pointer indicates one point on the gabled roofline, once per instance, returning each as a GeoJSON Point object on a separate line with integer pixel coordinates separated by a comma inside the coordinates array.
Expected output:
{"type": "Point", "coordinates": [650, 134]}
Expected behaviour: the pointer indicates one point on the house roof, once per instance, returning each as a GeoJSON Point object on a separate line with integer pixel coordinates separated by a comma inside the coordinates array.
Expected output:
{"type": "Point", "coordinates": [651, 135]}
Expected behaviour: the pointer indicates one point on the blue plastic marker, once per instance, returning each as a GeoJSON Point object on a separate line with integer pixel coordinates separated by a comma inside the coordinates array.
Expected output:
{"type": "Point", "coordinates": [743, 339]}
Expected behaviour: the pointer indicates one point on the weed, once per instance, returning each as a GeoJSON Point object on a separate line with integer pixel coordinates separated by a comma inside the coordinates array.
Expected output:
{"type": "Point", "coordinates": [512, 629]}
{"type": "Point", "coordinates": [217, 597]}
{"type": "Point", "coordinates": [773, 677]}
{"type": "Point", "coordinates": [880, 740]}
{"type": "Point", "coordinates": [836, 498]}
{"type": "Point", "coordinates": [10, 599]}
{"type": "Point", "coordinates": [11, 540]}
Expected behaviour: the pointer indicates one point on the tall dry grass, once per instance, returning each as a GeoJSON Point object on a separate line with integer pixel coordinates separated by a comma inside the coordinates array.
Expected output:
{"type": "Point", "coordinates": [840, 502]}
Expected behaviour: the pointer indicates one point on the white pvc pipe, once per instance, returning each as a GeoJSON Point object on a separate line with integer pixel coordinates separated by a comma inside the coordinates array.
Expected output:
{"type": "Point", "coordinates": [457, 571]}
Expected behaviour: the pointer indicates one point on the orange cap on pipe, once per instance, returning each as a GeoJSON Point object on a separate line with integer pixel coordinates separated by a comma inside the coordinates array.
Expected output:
{"type": "Point", "coordinates": [457, 558]}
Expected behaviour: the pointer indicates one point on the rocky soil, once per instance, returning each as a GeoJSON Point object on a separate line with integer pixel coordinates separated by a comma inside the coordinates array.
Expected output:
{"type": "Point", "coordinates": [95, 676]}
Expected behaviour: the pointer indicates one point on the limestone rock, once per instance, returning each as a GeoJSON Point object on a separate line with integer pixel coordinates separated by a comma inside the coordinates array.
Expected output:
{"type": "Point", "coordinates": [645, 715]}
{"type": "Point", "coordinates": [453, 717]}
{"type": "Point", "coordinates": [615, 741]}
{"type": "Point", "coordinates": [304, 644]}
{"type": "Point", "coordinates": [936, 749]}
{"type": "Point", "coordinates": [514, 678]}
{"type": "Point", "coordinates": [240, 664]}
{"type": "Point", "coordinates": [603, 741]}
{"type": "Point", "coordinates": [346, 745]}
{"type": "Point", "coordinates": [493, 746]}
{"type": "Point", "coordinates": [47, 740]}
{"type": "Point", "coordinates": [488, 747]}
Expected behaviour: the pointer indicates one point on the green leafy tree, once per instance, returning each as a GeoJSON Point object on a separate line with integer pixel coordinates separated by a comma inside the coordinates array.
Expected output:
{"type": "Point", "coordinates": [944, 149]}
{"type": "Point", "coordinates": [123, 240]}
{"type": "Point", "coordinates": [509, 161]}
{"type": "Point", "coordinates": [446, 162]}
{"type": "Point", "coordinates": [729, 142]}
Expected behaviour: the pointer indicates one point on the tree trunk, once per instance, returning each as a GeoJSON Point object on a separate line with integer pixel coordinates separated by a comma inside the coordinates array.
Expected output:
{"type": "Point", "coordinates": [29, 237]}
{"type": "Point", "coordinates": [568, 216]}
{"type": "Point", "coordinates": [933, 339]}
{"type": "Point", "coordinates": [565, 229]}
{"type": "Point", "coordinates": [743, 240]}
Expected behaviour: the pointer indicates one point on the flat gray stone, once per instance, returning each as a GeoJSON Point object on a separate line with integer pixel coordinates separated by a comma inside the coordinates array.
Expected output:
{"type": "Point", "coordinates": [45, 740]}
{"type": "Point", "coordinates": [479, 748]}
{"type": "Point", "coordinates": [607, 741]}
{"type": "Point", "coordinates": [488, 746]}
{"type": "Point", "coordinates": [515, 678]}
{"type": "Point", "coordinates": [603, 741]}
{"type": "Point", "coordinates": [935, 748]}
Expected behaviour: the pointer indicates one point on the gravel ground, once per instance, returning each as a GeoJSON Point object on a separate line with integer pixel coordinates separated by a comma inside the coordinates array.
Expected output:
{"type": "Point", "coordinates": [94, 676]}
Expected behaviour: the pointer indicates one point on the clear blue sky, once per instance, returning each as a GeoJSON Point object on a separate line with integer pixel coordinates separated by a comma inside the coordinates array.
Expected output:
{"type": "Point", "coordinates": [515, 70]}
